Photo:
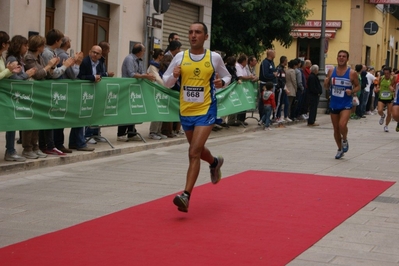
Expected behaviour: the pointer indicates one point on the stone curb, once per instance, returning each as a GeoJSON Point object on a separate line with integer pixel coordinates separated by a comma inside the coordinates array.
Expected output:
{"type": "Point", "coordinates": [104, 151]}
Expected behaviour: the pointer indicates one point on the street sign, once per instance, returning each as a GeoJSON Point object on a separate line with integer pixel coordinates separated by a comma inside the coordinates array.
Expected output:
{"type": "Point", "coordinates": [154, 22]}
{"type": "Point", "coordinates": [371, 27]}
{"type": "Point", "coordinates": [163, 4]}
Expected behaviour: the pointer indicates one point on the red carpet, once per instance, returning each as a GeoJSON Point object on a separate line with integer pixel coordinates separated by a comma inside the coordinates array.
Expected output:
{"type": "Point", "coordinates": [252, 218]}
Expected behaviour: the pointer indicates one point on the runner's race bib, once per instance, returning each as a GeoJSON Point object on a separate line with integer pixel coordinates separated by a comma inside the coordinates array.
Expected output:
{"type": "Point", "coordinates": [385, 95]}
{"type": "Point", "coordinates": [338, 92]}
{"type": "Point", "coordinates": [193, 94]}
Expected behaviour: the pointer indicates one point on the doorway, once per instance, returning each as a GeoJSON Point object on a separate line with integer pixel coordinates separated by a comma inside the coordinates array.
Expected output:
{"type": "Point", "coordinates": [95, 26]}
{"type": "Point", "coordinates": [309, 49]}
{"type": "Point", "coordinates": [50, 11]}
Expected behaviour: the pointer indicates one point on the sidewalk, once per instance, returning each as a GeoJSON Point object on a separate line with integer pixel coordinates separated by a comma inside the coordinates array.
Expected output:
{"type": "Point", "coordinates": [103, 149]}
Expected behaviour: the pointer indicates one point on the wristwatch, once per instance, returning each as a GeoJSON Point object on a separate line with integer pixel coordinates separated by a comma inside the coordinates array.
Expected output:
{"type": "Point", "coordinates": [223, 83]}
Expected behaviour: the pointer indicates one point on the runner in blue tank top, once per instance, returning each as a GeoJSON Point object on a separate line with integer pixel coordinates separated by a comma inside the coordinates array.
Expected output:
{"type": "Point", "coordinates": [343, 83]}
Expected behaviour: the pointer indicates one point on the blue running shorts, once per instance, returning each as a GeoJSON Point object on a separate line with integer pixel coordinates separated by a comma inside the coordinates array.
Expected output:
{"type": "Point", "coordinates": [189, 122]}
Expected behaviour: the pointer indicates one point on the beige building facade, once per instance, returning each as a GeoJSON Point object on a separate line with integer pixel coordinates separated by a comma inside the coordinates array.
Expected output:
{"type": "Point", "coordinates": [120, 22]}
{"type": "Point", "coordinates": [368, 31]}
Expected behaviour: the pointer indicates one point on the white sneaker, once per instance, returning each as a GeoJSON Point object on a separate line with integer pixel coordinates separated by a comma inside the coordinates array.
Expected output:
{"type": "Point", "coordinates": [267, 128]}
{"type": "Point", "coordinates": [368, 113]}
{"type": "Point", "coordinates": [154, 136]}
{"type": "Point", "coordinates": [280, 120]}
{"type": "Point", "coordinates": [288, 119]}
{"type": "Point", "coordinates": [122, 138]}
{"type": "Point", "coordinates": [162, 136]}
{"type": "Point", "coordinates": [386, 129]}
{"type": "Point", "coordinates": [30, 155]}
{"type": "Point", "coordinates": [92, 141]}
{"type": "Point", "coordinates": [382, 119]}
{"type": "Point", "coordinates": [100, 139]}
{"type": "Point", "coordinates": [13, 156]}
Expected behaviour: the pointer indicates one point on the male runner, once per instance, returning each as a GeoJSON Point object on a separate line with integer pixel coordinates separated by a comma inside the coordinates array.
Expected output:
{"type": "Point", "coordinates": [198, 70]}
{"type": "Point", "coordinates": [343, 83]}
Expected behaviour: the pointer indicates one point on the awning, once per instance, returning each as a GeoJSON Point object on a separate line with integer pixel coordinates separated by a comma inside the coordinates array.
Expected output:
{"type": "Point", "coordinates": [312, 33]}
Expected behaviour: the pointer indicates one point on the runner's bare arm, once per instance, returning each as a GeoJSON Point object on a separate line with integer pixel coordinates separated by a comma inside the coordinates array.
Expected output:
{"type": "Point", "coordinates": [393, 83]}
{"type": "Point", "coordinates": [355, 82]}
{"type": "Point", "coordinates": [327, 81]}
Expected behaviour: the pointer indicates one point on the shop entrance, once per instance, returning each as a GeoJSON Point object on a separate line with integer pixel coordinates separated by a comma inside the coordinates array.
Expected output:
{"type": "Point", "coordinates": [309, 49]}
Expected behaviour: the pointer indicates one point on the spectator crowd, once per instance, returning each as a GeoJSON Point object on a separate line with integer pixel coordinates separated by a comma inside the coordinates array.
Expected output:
{"type": "Point", "coordinates": [287, 92]}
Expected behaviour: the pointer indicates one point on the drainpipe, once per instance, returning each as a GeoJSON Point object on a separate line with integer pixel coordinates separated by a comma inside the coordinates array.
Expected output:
{"type": "Point", "coordinates": [146, 36]}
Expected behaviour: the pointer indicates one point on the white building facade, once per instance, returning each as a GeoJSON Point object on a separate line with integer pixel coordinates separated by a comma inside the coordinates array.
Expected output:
{"type": "Point", "coordinates": [120, 22]}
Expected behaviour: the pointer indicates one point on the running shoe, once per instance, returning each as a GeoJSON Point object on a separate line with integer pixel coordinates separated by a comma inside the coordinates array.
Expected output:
{"type": "Point", "coordinates": [181, 201]}
{"type": "Point", "coordinates": [340, 154]}
{"type": "Point", "coordinates": [382, 119]}
{"type": "Point", "coordinates": [216, 174]}
{"type": "Point", "coordinates": [345, 145]}
{"type": "Point", "coordinates": [288, 119]}
{"type": "Point", "coordinates": [386, 129]}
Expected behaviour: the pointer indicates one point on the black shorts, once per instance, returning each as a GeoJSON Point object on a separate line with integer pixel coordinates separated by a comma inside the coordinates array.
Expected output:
{"type": "Point", "coordinates": [338, 111]}
{"type": "Point", "coordinates": [385, 101]}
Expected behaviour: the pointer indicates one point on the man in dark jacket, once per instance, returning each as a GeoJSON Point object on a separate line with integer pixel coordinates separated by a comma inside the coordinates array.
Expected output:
{"type": "Point", "coordinates": [314, 92]}
{"type": "Point", "coordinates": [267, 73]}
{"type": "Point", "coordinates": [90, 69]}
{"type": "Point", "coordinates": [91, 64]}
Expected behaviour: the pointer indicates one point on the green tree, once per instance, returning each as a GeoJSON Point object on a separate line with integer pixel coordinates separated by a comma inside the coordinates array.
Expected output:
{"type": "Point", "coordinates": [251, 26]}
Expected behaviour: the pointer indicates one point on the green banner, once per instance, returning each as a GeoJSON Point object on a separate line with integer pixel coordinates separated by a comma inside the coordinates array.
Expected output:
{"type": "Point", "coordinates": [51, 104]}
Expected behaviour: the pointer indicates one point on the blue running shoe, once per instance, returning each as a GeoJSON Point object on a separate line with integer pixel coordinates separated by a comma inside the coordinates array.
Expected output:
{"type": "Point", "coordinates": [339, 155]}
{"type": "Point", "coordinates": [345, 145]}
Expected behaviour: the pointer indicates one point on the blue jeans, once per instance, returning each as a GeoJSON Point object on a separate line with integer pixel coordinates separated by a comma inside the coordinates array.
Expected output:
{"type": "Point", "coordinates": [10, 141]}
{"type": "Point", "coordinates": [76, 138]}
{"type": "Point", "coordinates": [286, 105]}
{"type": "Point", "coordinates": [267, 112]}
{"type": "Point", "coordinates": [91, 132]}
{"type": "Point", "coordinates": [300, 97]}
{"type": "Point", "coordinates": [363, 99]}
